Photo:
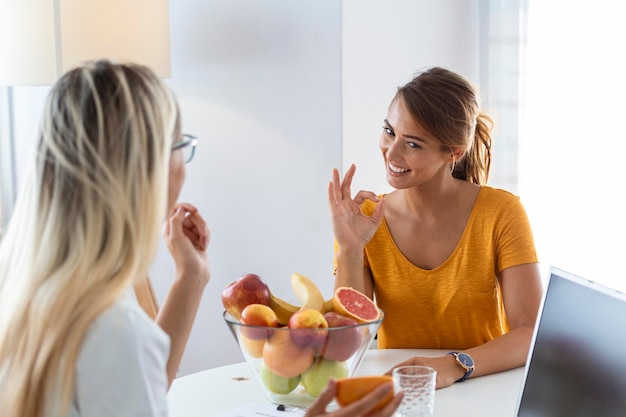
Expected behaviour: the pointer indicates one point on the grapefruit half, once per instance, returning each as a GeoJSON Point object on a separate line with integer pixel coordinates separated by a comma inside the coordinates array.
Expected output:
{"type": "Point", "coordinates": [353, 303]}
{"type": "Point", "coordinates": [354, 388]}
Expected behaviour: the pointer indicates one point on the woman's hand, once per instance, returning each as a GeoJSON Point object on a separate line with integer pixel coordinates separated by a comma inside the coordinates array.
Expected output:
{"type": "Point", "coordinates": [187, 238]}
{"type": "Point", "coordinates": [362, 407]}
{"type": "Point", "coordinates": [351, 227]}
{"type": "Point", "coordinates": [448, 371]}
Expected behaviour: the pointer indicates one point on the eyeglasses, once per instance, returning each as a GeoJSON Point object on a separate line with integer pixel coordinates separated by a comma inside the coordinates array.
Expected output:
{"type": "Point", "coordinates": [187, 145]}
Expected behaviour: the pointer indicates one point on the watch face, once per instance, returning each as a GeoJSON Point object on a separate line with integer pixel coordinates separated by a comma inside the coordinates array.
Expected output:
{"type": "Point", "coordinates": [465, 360]}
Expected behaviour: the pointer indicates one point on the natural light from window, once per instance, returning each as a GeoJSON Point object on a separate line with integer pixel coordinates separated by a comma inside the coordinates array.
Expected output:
{"type": "Point", "coordinates": [571, 162]}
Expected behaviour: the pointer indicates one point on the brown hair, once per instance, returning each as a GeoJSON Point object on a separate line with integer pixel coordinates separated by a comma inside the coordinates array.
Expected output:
{"type": "Point", "coordinates": [446, 105]}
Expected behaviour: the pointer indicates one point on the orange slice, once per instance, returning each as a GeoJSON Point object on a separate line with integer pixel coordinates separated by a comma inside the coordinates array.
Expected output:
{"type": "Point", "coordinates": [354, 388]}
{"type": "Point", "coordinates": [352, 303]}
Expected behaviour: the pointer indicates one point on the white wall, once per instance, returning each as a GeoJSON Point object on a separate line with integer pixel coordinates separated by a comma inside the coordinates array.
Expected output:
{"type": "Point", "coordinates": [259, 83]}
{"type": "Point", "coordinates": [265, 88]}
{"type": "Point", "coordinates": [271, 87]}
{"type": "Point", "coordinates": [384, 44]}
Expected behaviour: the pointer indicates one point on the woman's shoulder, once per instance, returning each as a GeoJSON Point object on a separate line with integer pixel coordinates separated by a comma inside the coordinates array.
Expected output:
{"type": "Point", "coordinates": [494, 196]}
{"type": "Point", "coordinates": [126, 326]}
{"type": "Point", "coordinates": [121, 364]}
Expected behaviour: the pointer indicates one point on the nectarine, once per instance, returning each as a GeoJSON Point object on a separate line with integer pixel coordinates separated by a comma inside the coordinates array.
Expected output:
{"type": "Point", "coordinates": [312, 327]}
{"type": "Point", "coordinates": [260, 316]}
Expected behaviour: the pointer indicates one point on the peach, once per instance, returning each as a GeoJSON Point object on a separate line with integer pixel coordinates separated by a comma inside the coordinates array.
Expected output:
{"type": "Point", "coordinates": [260, 316]}
{"type": "Point", "coordinates": [285, 358]}
{"type": "Point", "coordinates": [308, 327]}
{"type": "Point", "coordinates": [248, 289]}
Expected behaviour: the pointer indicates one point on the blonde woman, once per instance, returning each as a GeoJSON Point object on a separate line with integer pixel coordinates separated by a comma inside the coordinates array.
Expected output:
{"type": "Point", "coordinates": [108, 169]}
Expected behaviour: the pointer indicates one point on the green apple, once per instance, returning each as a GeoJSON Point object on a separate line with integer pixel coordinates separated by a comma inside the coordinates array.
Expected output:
{"type": "Point", "coordinates": [276, 383]}
{"type": "Point", "coordinates": [317, 376]}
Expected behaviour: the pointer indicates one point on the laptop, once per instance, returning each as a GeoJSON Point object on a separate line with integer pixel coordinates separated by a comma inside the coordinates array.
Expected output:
{"type": "Point", "coordinates": [576, 365]}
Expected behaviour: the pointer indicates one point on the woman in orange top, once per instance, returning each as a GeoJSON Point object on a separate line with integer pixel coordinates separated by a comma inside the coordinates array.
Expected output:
{"type": "Point", "coordinates": [450, 261]}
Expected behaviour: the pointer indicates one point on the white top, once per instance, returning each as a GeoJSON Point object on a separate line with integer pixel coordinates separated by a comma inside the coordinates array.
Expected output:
{"type": "Point", "coordinates": [121, 369]}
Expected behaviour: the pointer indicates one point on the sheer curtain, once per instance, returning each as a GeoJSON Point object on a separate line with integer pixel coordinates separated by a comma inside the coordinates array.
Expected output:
{"type": "Point", "coordinates": [571, 175]}
{"type": "Point", "coordinates": [503, 35]}
{"type": "Point", "coordinates": [7, 176]}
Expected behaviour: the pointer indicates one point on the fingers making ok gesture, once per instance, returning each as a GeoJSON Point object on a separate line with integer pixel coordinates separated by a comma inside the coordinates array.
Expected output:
{"type": "Point", "coordinates": [351, 227]}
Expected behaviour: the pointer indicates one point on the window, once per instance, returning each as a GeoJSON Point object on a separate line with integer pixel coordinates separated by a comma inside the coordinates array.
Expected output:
{"type": "Point", "coordinates": [571, 167]}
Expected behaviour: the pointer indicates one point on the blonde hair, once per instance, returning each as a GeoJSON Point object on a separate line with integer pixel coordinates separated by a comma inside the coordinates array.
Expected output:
{"type": "Point", "coordinates": [447, 106]}
{"type": "Point", "coordinates": [86, 224]}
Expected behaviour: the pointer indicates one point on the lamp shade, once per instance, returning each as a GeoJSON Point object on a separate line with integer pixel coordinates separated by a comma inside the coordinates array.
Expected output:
{"type": "Point", "coordinates": [42, 39]}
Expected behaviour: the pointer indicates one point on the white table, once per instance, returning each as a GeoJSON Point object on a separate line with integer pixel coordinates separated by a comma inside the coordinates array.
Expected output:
{"type": "Point", "coordinates": [211, 392]}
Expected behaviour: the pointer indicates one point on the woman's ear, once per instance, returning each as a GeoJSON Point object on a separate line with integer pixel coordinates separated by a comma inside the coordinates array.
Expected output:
{"type": "Point", "coordinates": [456, 154]}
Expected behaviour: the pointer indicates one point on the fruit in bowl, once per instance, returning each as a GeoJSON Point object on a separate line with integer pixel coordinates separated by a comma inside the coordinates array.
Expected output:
{"type": "Point", "coordinates": [294, 357]}
{"type": "Point", "coordinates": [306, 319]}
{"type": "Point", "coordinates": [344, 341]}
{"type": "Point", "coordinates": [248, 289]}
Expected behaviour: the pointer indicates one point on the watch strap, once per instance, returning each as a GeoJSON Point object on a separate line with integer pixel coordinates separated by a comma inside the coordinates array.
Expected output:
{"type": "Point", "coordinates": [468, 370]}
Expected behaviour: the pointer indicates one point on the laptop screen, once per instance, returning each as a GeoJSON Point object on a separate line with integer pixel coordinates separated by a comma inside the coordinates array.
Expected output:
{"type": "Point", "coordinates": [577, 361]}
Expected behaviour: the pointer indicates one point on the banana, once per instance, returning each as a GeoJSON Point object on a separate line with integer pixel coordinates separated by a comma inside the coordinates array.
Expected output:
{"type": "Point", "coordinates": [283, 309]}
{"type": "Point", "coordinates": [307, 292]}
{"type": "Point", "coordinates": [328, 306]}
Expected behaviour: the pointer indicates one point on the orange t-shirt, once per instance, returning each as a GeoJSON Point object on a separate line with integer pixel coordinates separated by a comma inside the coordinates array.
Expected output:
{"type": "Point", "coordinates": [457, 305]}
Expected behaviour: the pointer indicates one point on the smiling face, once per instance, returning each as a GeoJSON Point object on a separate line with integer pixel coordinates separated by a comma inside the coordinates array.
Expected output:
{"type": "Point", "coordinates": [412, 157]}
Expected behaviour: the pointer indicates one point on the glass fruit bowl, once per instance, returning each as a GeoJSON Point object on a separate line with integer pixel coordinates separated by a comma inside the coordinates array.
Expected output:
{"type": "Point", "coordinates": [293, 365]}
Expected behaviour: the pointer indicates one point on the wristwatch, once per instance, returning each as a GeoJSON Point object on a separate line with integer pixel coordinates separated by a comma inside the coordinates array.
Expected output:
{"type": "Point", "coordinates": [465, 361]}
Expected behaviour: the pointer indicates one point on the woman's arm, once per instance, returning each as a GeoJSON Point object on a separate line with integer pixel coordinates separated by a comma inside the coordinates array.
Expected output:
{"type": "Point", "coordinates": [521, 288]}
{"type": "Point", "coordinates": [187, 239]}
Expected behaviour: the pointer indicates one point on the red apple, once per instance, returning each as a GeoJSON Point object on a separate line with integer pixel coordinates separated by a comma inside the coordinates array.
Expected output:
{"type": "Point", "coordinates": [342, 342]}
{"type": "Point", "coordinates": [261, 317]}
{"type": "Point", "coordinates": [248, 289]}
{"type": "Point", "coordinates": [308, 327]}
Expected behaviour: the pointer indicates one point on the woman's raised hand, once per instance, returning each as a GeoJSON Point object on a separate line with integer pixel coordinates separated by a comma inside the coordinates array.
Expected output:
{"type": "Point", "coordinates": [351, 227]}
{"type": "Point", "coordinates": [187, 238]}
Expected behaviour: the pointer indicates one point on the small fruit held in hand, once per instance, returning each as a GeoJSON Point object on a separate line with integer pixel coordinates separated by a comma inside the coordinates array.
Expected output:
{"type": "Point", "coordinates": [352, 303]}
{"type": "Point", "coordinates": [352, 389]}
{"type": "Point", "coordinates": [276, 383]}
{"type": "Point", "coordinates": [308, 327]}
{"type": "Point", "coordinates": [258, 315]}
{"type": "Point", "coordinates": [340, 343]}
{"type": "Point", "coordinates": [317, 376]}
{"type": "Point", "coordinates": [248, 289]}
